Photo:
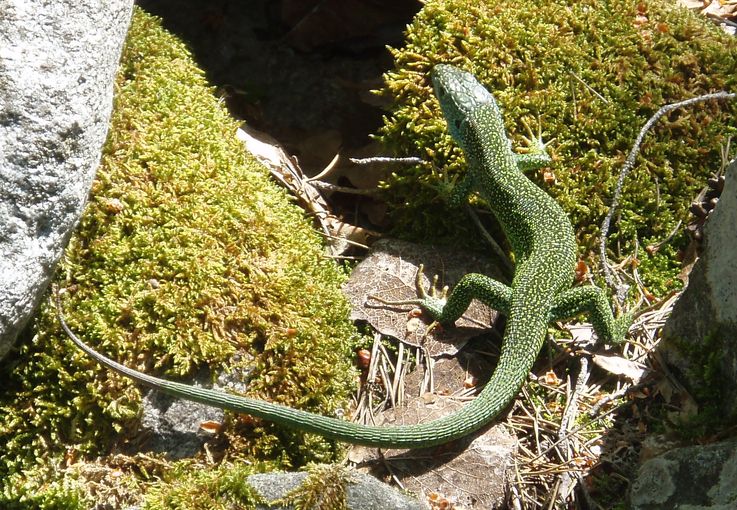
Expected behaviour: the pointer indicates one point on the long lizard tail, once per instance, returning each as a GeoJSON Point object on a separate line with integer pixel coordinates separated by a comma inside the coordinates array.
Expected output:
{"type": "Point", "coordinates": [496, 395]}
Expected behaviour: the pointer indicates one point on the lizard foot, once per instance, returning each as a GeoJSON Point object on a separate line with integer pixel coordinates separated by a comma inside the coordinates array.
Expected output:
{"type": "Point", "coordinates": [432, 301]}
{"type": "Point", "coordinates": [533, 140]}
{"type": "Point", "coordinates": [620, 328]}
{"type": "Point", "coordinates": [535, 154]}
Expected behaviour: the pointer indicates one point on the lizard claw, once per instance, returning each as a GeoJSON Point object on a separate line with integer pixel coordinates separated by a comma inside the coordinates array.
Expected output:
{"type": "Point", "coordinates": [433, 290]}
{"type": "Point", "coordinates": [433, 301]}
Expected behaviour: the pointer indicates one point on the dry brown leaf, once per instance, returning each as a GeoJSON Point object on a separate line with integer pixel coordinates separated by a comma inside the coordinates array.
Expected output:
{"type": "Point", "coordinates": [551, 378]}
{"type": "Point", "coordinates": [389, 273]}
{"type": "Point", "coordinates": [211, 427]}
{"type": "Point", "coordinates": [621, 366]}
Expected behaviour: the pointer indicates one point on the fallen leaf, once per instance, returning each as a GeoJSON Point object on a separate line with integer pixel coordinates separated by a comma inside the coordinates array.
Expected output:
{"type": "Point", "coordinates": [621, 366]}
{"type": "Point", "coordinates": [389, 273]}
{"type": "Point", "coordinates": [551, 379]}
{"type": "Point", "coordinates": [211, 427]}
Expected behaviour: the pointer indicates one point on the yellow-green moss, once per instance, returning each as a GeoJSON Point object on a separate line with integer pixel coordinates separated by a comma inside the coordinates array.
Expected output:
{"type": "Point", "coordinates": [186, 254]}
{"type": "Point", "coordinates": [541, 60]}
{"type": "Point", "coordinates": [323, 489]}
{"type": "Point", "coordinates": [222, 488]}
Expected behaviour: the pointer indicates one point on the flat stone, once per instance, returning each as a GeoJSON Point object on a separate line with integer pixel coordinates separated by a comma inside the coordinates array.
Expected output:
{"type": "Point", "coordinates": [363, 492]}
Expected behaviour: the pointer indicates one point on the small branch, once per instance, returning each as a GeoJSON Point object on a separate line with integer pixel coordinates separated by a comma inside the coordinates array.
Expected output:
{"type": "Point", "coordinates": [569, 416]}
{"type": "Point", "coordinates": [386, 159]}
{"type": "Point", "coordinates": [589, 87]}
{"type": "Point", "coordinates": [629, 165]}
{"type": "Point", "coordinates": [343, 189]}
{"type": "Point", "coordinates": [326, 171]}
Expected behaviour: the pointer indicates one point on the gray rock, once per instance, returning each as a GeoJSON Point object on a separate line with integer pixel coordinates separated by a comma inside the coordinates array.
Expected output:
{"type": "Point", "coordinates": [450, 472]}
{"type": "Point", "coordinates": [363, 492]}
{"type": "Point", "coordinates": [700, 339]}
{"type": "Point", "coordinates": [172, 425]}
{"type": "Point", "coordinates": [57, 65]}
{"type": "Point", "coordinates": [691, 478]}
{"type": "Point", "coordinates": [454, 476]}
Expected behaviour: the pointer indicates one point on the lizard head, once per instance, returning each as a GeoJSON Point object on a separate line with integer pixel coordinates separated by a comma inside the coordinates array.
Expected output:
{"type": "Point", "coordinates": [460, 95]}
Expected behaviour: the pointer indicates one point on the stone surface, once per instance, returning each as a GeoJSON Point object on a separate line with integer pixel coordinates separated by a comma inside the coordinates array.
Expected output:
{"type": "Point", "coordinates": [476, 477]}
{"type": "Point", "coordinates": [695, 477]}
{"type": "Point", "coordinates": [449, 472]}
{"type": "Point", "coordinates": [700, 338]}
{"type": "Point", "coordinates": [57, 65]}
{"type": "Point", "coordinates": [172, 426]}
{"type": "Point", "coordinates": [363, 492]}
{"type": "Point", "coordinates": [389, 271]}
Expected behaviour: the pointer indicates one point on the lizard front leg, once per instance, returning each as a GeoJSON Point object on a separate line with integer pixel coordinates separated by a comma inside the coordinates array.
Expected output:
{"type": "Point", "coordinates": [537, 153]}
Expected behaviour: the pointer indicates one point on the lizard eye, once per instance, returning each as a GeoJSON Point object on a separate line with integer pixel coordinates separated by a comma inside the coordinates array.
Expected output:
{"type": "Point", "coordinates": [457, 123]}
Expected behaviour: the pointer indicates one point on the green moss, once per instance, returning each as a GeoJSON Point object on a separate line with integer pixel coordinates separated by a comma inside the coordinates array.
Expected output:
{"type": "Point", "coordinates": [323, 489]}
{"type": "Point", "coordinates": [536, 57]}
{"type": "Point", "coordinates": [185, 255]}
{"type": "Point", "coordinates": [57, 495]}
{"type": "Point", "coordinates": [708, 384]}
{"type": "Point", "coordinates": [662, 270]}
{"type": "Point", "coordinates": [223, 488]}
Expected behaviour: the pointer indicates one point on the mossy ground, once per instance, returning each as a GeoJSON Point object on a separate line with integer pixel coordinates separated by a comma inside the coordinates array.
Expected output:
{"type": "Point", "coordinates": [708, 382]}
{"type": "Point", "coordinates": [592, 73]}
{"type": "Point", "coordinates": [186, 255]}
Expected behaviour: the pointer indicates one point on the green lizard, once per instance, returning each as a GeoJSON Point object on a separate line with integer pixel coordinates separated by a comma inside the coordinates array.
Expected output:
{"type": "Point", "coordinates": [542, 239]}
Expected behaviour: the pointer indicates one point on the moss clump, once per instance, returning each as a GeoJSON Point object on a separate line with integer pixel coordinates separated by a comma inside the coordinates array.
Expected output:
{"type": "Point", "coordinates": [323, 489]}
{"type": "Point", "coordinates": [222, 488]}
{"type": "Point", "coordinates": [56, 495]}
{"type": "Point", "coordinates": [186, 255]}
{"type": "Point", "coordinates": [592, 72]}
{"type": "Point", "coordinates": [708, 384]}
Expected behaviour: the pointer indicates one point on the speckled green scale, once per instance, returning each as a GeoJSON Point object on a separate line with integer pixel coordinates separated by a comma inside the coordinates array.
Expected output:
{"type": "Point", "coordinates": [542, 239]}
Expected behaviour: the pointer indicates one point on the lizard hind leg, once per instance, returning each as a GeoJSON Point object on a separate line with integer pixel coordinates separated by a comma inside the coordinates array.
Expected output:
{"type": "Point", "coordinates": [430, 300]}
{"type": "Point", "coordinates": [471, 286]}
{"type": "Point", "coordinates": [592, 301]}
{"type": "Point", "coordinates": [447, 308]}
